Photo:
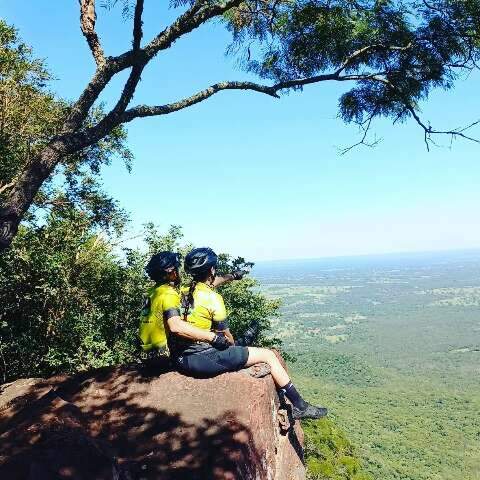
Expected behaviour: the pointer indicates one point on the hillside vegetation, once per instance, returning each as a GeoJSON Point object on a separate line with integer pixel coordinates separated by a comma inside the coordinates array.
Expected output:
{"type": "Point", "coordinates": [401, 376]}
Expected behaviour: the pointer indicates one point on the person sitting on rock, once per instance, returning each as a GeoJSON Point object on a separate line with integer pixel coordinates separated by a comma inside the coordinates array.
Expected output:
{"type": "Point", "coordinates": [163, 300]}
{"type": "Point", "coordinates": [200, 341]}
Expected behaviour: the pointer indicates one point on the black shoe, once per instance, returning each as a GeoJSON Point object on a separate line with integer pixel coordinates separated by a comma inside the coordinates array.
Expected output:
{"type": "Point", "coordinates": [310, 411]}
{"type": "Point", "coordinates": [250, 335]}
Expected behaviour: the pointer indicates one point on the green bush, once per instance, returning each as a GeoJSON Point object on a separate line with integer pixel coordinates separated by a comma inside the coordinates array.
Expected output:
{"type": "Point", "coordinates": [71, 298]}
{"type": "Point", "coordinates": [328, 453]}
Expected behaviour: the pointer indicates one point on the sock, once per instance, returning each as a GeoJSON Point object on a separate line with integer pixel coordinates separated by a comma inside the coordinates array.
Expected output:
{"type": "Point", "coordinates": [292, 394]}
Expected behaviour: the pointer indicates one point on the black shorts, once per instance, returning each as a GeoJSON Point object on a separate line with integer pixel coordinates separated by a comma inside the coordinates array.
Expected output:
{"type": "Point", "coordinates": [212, 362]}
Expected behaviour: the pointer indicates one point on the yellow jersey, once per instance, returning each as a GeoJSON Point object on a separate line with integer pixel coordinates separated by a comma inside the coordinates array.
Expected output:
{"type": "Point", "coordinates": [161, 302]}
{"type": "Point", "coordinates": [207, 312]}
{"type": "Point", "coordinates": [208, 309]}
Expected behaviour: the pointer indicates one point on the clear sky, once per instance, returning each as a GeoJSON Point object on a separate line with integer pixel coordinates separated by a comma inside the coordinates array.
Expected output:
{"type": "Point", "coordinates": [260, 177]}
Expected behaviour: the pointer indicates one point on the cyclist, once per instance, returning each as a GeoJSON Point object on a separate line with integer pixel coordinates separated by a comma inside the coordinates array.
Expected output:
{"type": "Point", "coordinates": [200, 341]}
{"type": "Point", "coordinates": [161, 301]}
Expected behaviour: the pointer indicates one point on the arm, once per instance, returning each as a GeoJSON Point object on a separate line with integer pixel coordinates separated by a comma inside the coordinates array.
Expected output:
{"type": "Point", "coordinates": [223, 329]}
{"type": "Point", "coordinates": [229, 336]}
{"type": "Point", "coordinates": [221, 326]}
{"type": "Point", "coordinates": [184, 329]}
{"type": "Point", "coordinates": [219, 318]}
{"type": "Point", "coordinates": [223, 279]}
{"type": "Point", "coordinates": [229, 277]}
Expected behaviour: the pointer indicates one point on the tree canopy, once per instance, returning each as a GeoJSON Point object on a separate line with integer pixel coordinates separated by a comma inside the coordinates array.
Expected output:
{"type": "Point", "coordinates": [393, 53]}
{"type": "Point", "coordinates": [29, 115]}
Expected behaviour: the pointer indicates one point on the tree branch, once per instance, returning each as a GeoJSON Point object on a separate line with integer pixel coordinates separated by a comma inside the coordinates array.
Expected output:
{"type": "Point", "coordinates": [137, 25]}
{"type": "Point", "coordinates": [130, 86]}
{"type": "Point", "coordinates": [427, 129]}
{"type": "Point", "coordinates": [358, 53]}
{"type": "Point", "coordinates": [200, 12]}
{"type": "Point", "coordinates": [87, 24]}
{"type": "Point", "coordinates": [146, 111]}
{"type": "Point", "coordinates": [149, 111]}
{"type": "Point", "coordinates": [365, 126]}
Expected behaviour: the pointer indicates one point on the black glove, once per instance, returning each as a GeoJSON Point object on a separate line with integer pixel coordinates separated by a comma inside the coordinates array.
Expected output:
{"type": "Point", "coordinates": [250, 335]}
{"type": "Point", "coordinates": [220, 342]}
{"type": "Point", "coordinates": [239, 274]}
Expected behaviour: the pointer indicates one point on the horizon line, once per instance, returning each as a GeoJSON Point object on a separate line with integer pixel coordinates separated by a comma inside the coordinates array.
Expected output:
{"type": "Point", "coordinates": [367, 255]}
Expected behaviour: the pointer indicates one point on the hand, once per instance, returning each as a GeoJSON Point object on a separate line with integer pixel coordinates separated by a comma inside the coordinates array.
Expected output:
{"type": "Point", "coordinates": [239, 274]}
{"type": "Point", "coordinates": [250, 335]}
{"type": "Point", "coordinates": [220, 342]}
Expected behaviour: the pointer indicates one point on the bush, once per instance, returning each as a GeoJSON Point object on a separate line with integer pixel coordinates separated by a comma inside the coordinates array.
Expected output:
{"type": "Point", "coordinates": [329, 454]}
{"type": "Point", "coordinates": [71, 298]}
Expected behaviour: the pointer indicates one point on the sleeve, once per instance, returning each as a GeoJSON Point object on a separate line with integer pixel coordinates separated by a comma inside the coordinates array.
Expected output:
{"type": "Point", "coordinates": [219, 318]}
{"type": "Point", "coordinates": [171, 306]}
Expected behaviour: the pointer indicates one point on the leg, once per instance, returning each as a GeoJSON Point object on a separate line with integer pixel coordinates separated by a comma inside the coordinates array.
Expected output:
{"type": "Point", "coordinates": [301, 408]}
{"type": "Point", "coordinates": [213, 362]}
{"type": "Point", "coordinates": [257, 355]}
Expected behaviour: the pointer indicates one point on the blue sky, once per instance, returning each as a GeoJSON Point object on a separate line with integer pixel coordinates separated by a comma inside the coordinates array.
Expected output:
{"type": "Point", "coordinates": [259, 177]}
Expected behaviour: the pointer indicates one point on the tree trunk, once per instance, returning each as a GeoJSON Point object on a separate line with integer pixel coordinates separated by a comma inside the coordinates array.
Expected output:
{"type": "Point", "coordinates": [26, 187]}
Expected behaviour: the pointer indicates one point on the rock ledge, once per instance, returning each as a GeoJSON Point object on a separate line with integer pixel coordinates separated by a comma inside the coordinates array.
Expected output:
{"type": "Point", "coordinates": [147, 423]}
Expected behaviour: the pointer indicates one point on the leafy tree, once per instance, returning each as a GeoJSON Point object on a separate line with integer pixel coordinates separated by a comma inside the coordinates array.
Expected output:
{"type": "Point", "coordinates": [70, 293]}
{"type": "Point", "coordinates": [64, 298]}
{"type": "Point", "coordinates": [72, 296]}
{"type": "Point", "coordinates": [393, 52]}
{"type": "Point", "coordinates": [29, 116]}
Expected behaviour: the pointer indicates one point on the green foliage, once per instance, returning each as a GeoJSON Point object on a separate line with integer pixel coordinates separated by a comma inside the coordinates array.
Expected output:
{"type": "Point", "coordinates": [70, 304]}
{"type": "Point", "coordinates": [68, 301]}
{"type": "Point", "coordinates": [395, 51]}
{"type": "Point", "coordinates": [29, 116]}
{"type": "Point", "coordinates": [403, 381]}
{"type": "Point", "coordinates": [28, 113]}
{"type": "Point", "coordinates": [328, 453]}
{"type": "Point", "coordinates": [245, 304]}
{"type": "Point", "coordinates": [339, 367]}
{"type": "Point", "coordinates": [72, 298]}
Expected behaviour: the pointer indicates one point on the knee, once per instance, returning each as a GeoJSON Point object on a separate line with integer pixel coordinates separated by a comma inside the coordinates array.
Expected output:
{"type": "Point", "coordinates": [269, 355]}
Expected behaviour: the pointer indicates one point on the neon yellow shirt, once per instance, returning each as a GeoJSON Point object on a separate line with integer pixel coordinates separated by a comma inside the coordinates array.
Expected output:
{"type": "Point", "coordinates": [208, 307]}
{"type": "Point", "coordinates": [160, 299]}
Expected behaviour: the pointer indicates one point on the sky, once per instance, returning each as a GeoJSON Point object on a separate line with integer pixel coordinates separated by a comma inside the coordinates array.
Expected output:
{"type": "Point", "coordinates": [259, 177]}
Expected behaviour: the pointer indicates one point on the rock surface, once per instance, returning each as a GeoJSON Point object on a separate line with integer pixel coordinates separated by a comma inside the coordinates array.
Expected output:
{"type": "Point", "coordinates": [146, 423]}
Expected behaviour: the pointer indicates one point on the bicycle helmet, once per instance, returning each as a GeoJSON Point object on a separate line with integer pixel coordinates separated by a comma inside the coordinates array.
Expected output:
{"type": "Point", "coordinates": [199, 261]}
{"type": "Point", "coordinates": [162, 263]}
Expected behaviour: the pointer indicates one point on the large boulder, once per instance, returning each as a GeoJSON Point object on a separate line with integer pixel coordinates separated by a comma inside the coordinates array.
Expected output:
{"type": "Point", "coordinates": [146, 423]}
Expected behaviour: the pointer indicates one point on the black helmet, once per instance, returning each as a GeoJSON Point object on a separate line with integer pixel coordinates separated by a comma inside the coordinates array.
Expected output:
{"type": "Point", "coordinates": [161, 263]}
{"type": "Point", "coordinates": [199, 261]}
